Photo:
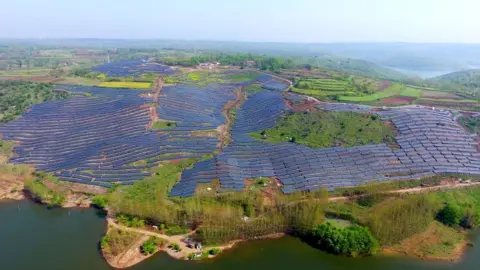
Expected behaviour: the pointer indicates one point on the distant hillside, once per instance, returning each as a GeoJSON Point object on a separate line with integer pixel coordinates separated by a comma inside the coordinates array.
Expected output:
{"type": "Point", "coordinates": [361, 67]}
{"type": "Point", "coordinates": [467, 81]}
{"type": "Point", "coordinates": [408, 56]}
{"type": "Point", "coordinates": [469, 78]}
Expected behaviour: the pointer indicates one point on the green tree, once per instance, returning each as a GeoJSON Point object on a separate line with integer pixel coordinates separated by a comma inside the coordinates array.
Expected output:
{"type": "Point", "coordinates": [351, 241]}
{"type": "Point", "coordinates": [150, 246]}
{"type": "Point", "coordinates": [450, 215]}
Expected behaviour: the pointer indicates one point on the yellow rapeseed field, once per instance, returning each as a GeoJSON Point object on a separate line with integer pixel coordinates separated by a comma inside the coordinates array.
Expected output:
{"type": "Point", "coordinates": [139, 85]}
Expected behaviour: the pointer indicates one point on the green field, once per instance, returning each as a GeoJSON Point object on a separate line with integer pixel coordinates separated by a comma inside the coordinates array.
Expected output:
{"type": "Point", "coordinates": [17, 96]}
{"type": "Point", "coordinates": [163, 125]}
{"type": "Point", "coordinates": [328, 129]}
{"type": "Point", "coordinates": [351, 89]}
{"type": "Point", "coordinates": [322, 88]}
{"type": "Point", "coordinates": [411, 92]}
{"type": "Point", "coordinates": [26, 72]}
{"type": "Point", "coordinates": [391, 91]}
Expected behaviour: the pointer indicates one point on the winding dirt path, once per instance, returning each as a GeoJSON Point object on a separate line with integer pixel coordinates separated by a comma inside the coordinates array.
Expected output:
{"type": "Point", "coordinates": [157, 88]}
{"type": "Point", "coordinates": [415, 190]}
{"type": "Point", "coordinates": [177, 239]}
{"type": "Point", "coordinates": [225, 129]}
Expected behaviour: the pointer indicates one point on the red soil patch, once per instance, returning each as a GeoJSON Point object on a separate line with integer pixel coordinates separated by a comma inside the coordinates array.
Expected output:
{"type": "Point", "coordinates": [397, 100]}
{"type": "Point", "coordinates": [384, 85]}
{"type": "Point", "coordinates": [440, 95]}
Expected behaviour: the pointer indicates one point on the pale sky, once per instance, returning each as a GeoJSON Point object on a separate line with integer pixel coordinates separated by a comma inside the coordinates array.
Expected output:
{"type": "Point", "coordinates": [245, 20]}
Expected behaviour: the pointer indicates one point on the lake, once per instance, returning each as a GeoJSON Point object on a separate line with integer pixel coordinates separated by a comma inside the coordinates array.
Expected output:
{"type": "Point", "coordinates": [423, 73]}
{"type": "Point", "coordinates": [33, 237]}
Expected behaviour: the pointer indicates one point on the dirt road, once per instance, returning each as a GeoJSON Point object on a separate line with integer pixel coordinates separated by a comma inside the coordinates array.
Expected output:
{"type": "Point", "coordinates": [177, 239]}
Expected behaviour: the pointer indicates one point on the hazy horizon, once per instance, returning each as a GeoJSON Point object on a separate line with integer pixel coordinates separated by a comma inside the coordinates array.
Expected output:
{"type": "Point", "coordinates": [280, 21]}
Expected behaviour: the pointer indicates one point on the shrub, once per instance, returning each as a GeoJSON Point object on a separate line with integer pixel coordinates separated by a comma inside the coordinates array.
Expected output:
{"type": "Point", "coordinates": [214, 251]}
{"type": "Point", "coordinates": [150, 246]}
{"type": "Point", "coordinates": [175, 247]}
{"type": "Point", "coordinates": [99, 202]}
{"type": "Point", "coordinates": [349, 241]}
{"type": "Point", "coordinates": [192, 256]}
{"type": "Point", "coordinates": [130, 221]}
{"type": "Point", "coordinates": [104, 243]}
{"type": "Point", "coordinates": [450, 215]}
{"type": "Point", "coordinates": [177, 230]}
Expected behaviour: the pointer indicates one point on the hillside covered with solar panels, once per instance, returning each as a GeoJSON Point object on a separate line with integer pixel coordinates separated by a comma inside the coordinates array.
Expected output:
{"type": "Point", "coordinates": [118, 136]}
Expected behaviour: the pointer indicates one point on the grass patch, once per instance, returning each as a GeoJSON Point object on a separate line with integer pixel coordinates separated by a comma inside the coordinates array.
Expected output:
{"type": "Point", "coordinates": [242, 77]}
{"type": "Point", "coordinates": [164, 125]}
{"type": "Point", "coordinates": [328, 129]}
{"type": "Point", "coordinates": [6, 148]}
{"type": "Point", "coordinates": [132, 85]}
{"type": "Point", "coordinates": [254, 89]}
{"type": "Point", "coordinates": [116, 241]}
{"type": "Point", "coordinates": [42, 193]}
{"type": "Point", "coordinates": [437, 242]}
{"type": "Point", "coordinates": [411, 92]}
{"type": "Point", "coordinates": [393, 90]}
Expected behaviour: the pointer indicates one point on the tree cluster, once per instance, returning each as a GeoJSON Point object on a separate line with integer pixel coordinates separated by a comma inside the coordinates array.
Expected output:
{"type": "Point", "coordinates": [351, 241]}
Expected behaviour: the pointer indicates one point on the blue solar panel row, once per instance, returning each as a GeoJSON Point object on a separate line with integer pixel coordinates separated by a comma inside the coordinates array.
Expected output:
{"type": "Point", "coordinates": [194, 108]}
{"type": "Point", "coordinates": [95, 140]}
{"type": "Point", "coordinates": [133, 68]}
{"type": "Point", "coordinates": [99, 140]}
{"type": "Point", "coordinates": [430, 143]}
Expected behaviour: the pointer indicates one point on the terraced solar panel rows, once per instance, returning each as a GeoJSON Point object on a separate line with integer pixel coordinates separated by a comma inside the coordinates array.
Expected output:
{"type": "Point", "coordinates": [194, 108]}
{"type": "Point", "coordinates": [430, 143]}
{"type": "Point", "coordinates": [133, 68]}
{"type": "Point", "coordinates": [101, 140]}
{"type": "Point", "coordinates": [95, 140]}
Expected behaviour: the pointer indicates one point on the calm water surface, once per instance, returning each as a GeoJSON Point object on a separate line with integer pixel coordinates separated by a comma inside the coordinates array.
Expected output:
{"type": "Point", "coordinates": [32, 237]}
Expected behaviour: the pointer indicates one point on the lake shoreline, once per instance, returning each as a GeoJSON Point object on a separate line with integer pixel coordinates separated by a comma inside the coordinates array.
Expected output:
{"type": "Point", "coordinates": [71, 202]}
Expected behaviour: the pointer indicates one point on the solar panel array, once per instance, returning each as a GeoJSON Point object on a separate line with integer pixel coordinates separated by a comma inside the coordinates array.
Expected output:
{"type": "Point", "coordinates": [274, 85]}
{"type": "Point", "coordinates": [95, 140]}
{"type": "Point", "coordinates": [133, 68]}
{"type": "Point", "coordinates": [430, 143]}
{"type": "Point", "coordinates": [194, 108]}
{"type": "Point", "coordinates": [433, 138]}
{"type": "Point", "coordinates": [344, 107]}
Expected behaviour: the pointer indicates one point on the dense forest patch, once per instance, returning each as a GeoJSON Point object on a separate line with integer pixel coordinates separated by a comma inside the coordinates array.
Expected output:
{"type": "Point", "coordinates": [328, 129]}
{"type": "Point", "coordinates": [15, 97]}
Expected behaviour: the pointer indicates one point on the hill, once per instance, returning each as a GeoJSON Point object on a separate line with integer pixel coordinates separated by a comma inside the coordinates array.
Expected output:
{"type": "Point", "coordinates": [470, 78]}
{"type": "Point", "coordinates": [361, 67]}
{"type": "Point", "coordinates": [467, 82]}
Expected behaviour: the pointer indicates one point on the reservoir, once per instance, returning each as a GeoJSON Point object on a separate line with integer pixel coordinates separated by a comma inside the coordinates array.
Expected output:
{"type": "Point", "coordinates": [34, 237]}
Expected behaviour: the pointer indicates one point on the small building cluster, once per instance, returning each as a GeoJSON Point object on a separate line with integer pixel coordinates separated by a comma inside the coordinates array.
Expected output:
{"type": "Point", "coordinates": [209, 66]}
